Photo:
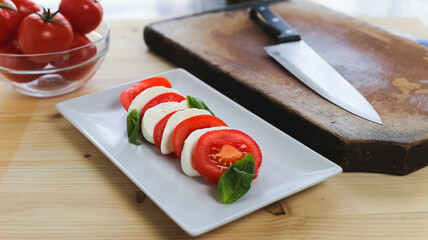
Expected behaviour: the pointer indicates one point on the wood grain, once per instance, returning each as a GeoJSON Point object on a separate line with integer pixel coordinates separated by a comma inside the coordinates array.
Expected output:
{"type": "Point", "coordinates": [54, 184]}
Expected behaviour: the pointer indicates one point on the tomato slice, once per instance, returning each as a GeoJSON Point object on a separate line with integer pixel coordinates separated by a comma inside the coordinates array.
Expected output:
{"type": "Point", "coordinates": [164, 97]}
{"type": "Point", "coordinates": [131, 92]}
{"type": "Point", "coordinates": [216, 150]}
{"type": "Point", "coordinates": [187, 126]}
{"type": "Point", "coordinates": [159, 127]}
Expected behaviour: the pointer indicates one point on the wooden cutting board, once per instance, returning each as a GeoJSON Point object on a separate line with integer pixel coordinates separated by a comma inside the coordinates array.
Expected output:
{"type": "Point", "coordinates": [224, 49]}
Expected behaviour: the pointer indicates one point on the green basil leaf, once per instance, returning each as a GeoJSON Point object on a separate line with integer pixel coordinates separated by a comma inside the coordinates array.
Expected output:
{"type": "Point", "coordinates": [236, 181]}
{"type": "Point", "coordinates": [132, 125]}
{"type": "Point", "coordinates": [194, 102]}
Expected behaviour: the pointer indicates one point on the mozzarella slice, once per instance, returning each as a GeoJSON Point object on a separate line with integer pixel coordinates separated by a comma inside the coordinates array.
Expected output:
{"type": "Point", "coordinates": [155, 114]}
{"type": "Point", "coordinates": [173, 121]}
{"type": "Point", "coordinates": [188, 148]}
{"type": "Point", "coordinates": [145, 96]}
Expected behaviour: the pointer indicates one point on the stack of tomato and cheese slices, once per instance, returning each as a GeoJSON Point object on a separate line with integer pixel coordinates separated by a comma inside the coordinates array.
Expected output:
{"type": "Point", "coordinates": [186, 127]}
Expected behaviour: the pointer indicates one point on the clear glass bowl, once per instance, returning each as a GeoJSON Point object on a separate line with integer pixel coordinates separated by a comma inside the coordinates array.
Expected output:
{"type": "Point", "coordinates": [46, 75]}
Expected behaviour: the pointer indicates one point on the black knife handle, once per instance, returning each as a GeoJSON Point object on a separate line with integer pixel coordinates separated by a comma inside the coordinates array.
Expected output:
{"type": "Point", "coordinates": [274, 24]}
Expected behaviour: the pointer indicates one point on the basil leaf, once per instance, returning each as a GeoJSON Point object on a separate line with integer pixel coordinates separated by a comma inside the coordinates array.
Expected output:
{"type": "Point", "coordinates": [236, 181]}
{"type": "Point", "coordinates": [132, 124]}
{"type": "Point", "coordinates": [194, 102]}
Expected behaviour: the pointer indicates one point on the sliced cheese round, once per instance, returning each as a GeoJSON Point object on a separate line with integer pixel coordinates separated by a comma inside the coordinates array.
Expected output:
{"type": "Point", "coordinates": [145, 96]}
{"type": "Point", "coordinates": [153, 115]}
{"type": "Point", "coordinates": [189, 146]}
{"type": "Point", "coordinates": [174, 120]}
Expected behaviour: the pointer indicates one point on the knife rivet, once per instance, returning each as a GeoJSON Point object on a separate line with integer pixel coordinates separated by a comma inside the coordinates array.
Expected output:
{"type": "Point", "coordinates": [275, 19]}
{"type": "Point", "coordinates": [262, 8]}
{"type": "Point", "coordinates": [288, 31]}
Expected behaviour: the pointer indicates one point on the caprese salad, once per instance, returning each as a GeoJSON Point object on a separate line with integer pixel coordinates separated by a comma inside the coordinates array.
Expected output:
{"type": "Point", "coordinates": [187, 128]}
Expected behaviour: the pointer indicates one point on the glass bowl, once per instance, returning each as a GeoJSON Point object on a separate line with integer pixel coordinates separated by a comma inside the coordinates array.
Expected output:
{"type": "Point", "coordinates": [49, 74]}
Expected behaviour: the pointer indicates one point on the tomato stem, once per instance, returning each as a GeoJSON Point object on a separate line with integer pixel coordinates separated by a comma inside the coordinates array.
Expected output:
{"type": "Point", "coordinates": [48, 16]}
{"type": "Point", "coordinates": [5, 5]}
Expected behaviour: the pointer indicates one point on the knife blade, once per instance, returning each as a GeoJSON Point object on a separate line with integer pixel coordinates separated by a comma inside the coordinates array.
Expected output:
{"type": "Point", "coordinates": [306, 65]}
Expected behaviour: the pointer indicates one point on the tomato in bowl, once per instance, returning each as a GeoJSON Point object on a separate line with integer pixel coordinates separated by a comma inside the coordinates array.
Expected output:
{"type": "Point", "coordinates": [54, 73]}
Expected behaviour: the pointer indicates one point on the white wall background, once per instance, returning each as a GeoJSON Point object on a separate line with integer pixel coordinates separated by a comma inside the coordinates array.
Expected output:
{"type": "Point", "coordinates": [157, 9]}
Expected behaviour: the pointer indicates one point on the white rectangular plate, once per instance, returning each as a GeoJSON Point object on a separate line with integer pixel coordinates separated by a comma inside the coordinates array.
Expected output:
{"type": "Point", "coordinates": [288, 166]}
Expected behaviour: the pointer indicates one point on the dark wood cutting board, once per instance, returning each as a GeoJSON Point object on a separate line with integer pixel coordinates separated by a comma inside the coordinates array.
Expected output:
{"type": "Point", "coordinates": [224, 49]}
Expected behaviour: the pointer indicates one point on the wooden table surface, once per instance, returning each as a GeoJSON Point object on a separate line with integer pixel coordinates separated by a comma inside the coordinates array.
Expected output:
{"type": "Point", "coordinates": [55, 184]}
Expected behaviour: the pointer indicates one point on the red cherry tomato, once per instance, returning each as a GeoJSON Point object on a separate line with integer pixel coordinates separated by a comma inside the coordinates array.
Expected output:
{"type": "Point", "coordinates": [9, 19]}
{"type": "Point", "coordinates": [164, 97]}
{"type": "Point", "coordinates": [18, 63]}
{"type": "Point", "coordinates": [25, 8]}
{"type": "Point", "coordinates": [75, 57]}
{"type": "Point", "coordinates": [159, 127]}
{"type": "Point", "coordinates": [216, 150]}
{"type": "Point", "coordinates": [44, 32]}
{"type": "Point", "coordinates": [84, 15]}
{"type": "Point", "coordinates": [187, 126]}
{"type": "Point", "coordinates": [131, 92]}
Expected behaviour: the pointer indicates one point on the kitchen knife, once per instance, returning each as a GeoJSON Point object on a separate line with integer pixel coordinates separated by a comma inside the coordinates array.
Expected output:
{"type": "Point", "coordinates": [305, 64]}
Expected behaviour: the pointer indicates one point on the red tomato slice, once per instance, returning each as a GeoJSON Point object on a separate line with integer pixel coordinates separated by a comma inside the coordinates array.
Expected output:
{"type": "Point", "coordinates": [187, 126]}
{"type": "Point", "coordinates": [164, 97]}
{"type": "Point", "coordinates": [131, 92]}
{"type": "Point", "coordinates": [216, 150]}
{"type": "Point", "coordinates": [159, 127]}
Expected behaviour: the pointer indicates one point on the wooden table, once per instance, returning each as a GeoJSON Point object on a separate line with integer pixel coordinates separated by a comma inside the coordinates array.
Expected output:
{"type": "Point", "coordinates": [55, 184]}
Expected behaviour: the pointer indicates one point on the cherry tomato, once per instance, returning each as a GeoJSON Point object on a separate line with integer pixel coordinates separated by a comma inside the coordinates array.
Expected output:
{"type": "Point", "coordinates": [18, 63]}
{"type": "Point", "coordinates": [187, 126]}
{"type": "Point", "coordinates": [159, 127]}
{"type": "Point", "coordinates": [131, 92]}
{"type": "Point", "coordinates": [44, 32]}
{"type": "Point", "coordinates": [75, 57]}
{"type": "Point", "coordinates": [9, 19]}
{"type": "Point", "coordinates": [164, 97]}
{"type": "Point", "coordinates": [216, 150]}
{"type": "Point", "coordinates": [84, 15]}
{"type": "Point", "coordinates": [25, 8]}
